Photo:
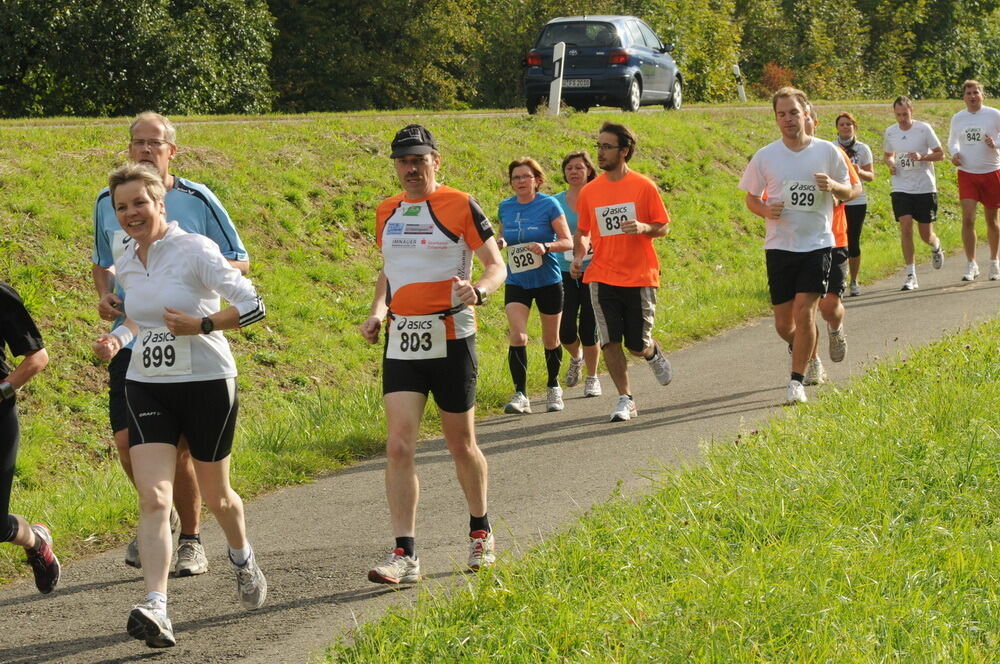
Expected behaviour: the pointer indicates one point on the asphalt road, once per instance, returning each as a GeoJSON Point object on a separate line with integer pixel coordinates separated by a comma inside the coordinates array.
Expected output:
{"type": "Point", "coordinates": [316, 542]}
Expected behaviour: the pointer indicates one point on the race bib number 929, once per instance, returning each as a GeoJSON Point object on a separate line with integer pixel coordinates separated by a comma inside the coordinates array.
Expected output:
{"type": "Point", "coordinates": [802, 195]}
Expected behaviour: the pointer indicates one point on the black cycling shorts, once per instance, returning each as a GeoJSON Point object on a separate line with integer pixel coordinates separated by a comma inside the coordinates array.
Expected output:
{"type": "Point", "coordinates": [117, 406]}
{"type": "Point", "coordinates": [791, 272]}
{"type": "Point", "coordinates": [837, 282]}
{"type": "Point", "coordinates": [451, 379]}
{"type": "Point", "coordinates": [549, 298]}
{"type": "Point", "coordinates": [202, 411]}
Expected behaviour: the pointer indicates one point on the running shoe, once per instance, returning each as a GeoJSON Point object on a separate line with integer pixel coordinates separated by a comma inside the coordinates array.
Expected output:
{"type": "Point", "coordinates": [191, 559]}
{"type": "Point", "coordinates": [573, 373]}
{"type": "Point", "coordinates": [132, 554]}
{"type": "Point", "coordinates": [624, 409]}
{"type": "Point", "coordinates": [971, 272]}
{"type": "Point", "coordinates": [795, 393]}
{"type": "Point", "coordinates": [937, 257]}
{"type": "Point", "coordinates": [175, 521]}
{"type": "Point", "coordinates": [855, 289]}
{"type": "Point", "coordinates": [838, 345]}
{"type": "Point", "coordinates": [43, 562]}
{"type": "Point", "coordinates": [518, 404]}
{"type": "Point", "coordinates": [660, 366]}
{"type": "Point", "coordinates": [251, 586]}
{"type": "Point", "coordinates": [994, 271]}
{"type": "Point", "coordinates": [910, 283]}
{"type": "Point", "coordinates": [553, 400]}
{"type": "Point", "coordinates": [148, 622]}
{"type": "Point", "coordinates": [592, 387]}
{"type": "Point", "coordinates": [395, 569]}
{"type": "Point", "coordinates": [481, 550]}
{"type": "Point", "coordinates": [815, 373]}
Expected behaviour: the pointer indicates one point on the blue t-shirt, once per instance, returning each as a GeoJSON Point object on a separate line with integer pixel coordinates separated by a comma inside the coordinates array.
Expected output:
{"type": "Point", "coordinates": [531, 222]}
{"type": "Point", "coordinates": [565, 258]}
{"type": "Point", "coordinates": [192, 205]}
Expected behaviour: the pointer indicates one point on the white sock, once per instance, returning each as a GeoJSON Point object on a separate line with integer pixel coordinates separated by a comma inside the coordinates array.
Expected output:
{"type": "Point", "coordinates": [973, 264]}
{"type": "Point", "coordinates": [838, 330]}
{"type": "Point", "coordinates": [240, 556]}
{"type": "Point", "coordinates": [159, 600]}
{"type": "Point", "coordinates": [912, 269]}
{"type": "Point", "coordinates": [995, 261]}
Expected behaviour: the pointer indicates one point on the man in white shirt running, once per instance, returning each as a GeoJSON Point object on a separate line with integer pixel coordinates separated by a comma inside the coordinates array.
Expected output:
{"type": "Point", "coordinates": [799, 175]}
{"type": "Point", "coordinates": [911, 147]}
{"type": "Point", "coordinates": [974, 144]}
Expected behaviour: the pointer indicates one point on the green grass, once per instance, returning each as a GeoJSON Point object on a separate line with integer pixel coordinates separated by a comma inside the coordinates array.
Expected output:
{"type": "Point", "coordinates": [302, 191]}
{"type": "Point", "coordinates": [861, 527]}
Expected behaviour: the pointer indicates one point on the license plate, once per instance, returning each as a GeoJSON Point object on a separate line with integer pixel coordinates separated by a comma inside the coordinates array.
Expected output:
{"type": "Point", "coordinates": [576, 82]}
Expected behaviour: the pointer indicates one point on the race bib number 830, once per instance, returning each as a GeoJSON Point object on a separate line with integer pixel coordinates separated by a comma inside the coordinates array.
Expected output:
{"type": "Point", "coordinates": [611, 217]}
{"type": "Point", "coordinates": [417, 338]}
{"type": "Point", "coordinates": [159, 352]}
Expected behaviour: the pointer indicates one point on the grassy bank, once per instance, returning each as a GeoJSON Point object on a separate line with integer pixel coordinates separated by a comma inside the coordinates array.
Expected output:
{"type": "Point", "coordinates": [302, 191]}
{"type": "Point", "coordinates": [859, 528]}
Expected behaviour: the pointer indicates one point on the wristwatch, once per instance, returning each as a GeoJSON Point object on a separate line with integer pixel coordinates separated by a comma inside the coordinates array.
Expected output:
{"type": "Point", "coordinates": [545, 246]}
{"type": "Point", "coordinates": [7, 391]}
{"type": "Point", "coordinates": [207, 325]}
{"type": "Point", "coordinates": [480, 295]}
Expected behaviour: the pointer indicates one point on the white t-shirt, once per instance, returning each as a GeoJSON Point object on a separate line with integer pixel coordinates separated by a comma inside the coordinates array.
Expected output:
{"type": "Point", "coordinates": [967, 136]}
{"type": "Point", "coordinates": [783, 174]}
{"type": "Point", "coordinates": [912, 177]}
{"type": "Point", "coordinates": [862, 157]}
{"type": "Point", "coordinates": [187, 272]}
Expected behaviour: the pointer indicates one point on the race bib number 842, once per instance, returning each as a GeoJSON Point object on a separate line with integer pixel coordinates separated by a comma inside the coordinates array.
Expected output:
{"type": "Point", "coordinates": [972, 135]}
{"type": "Point", "coordinates": [158, 352]}
{"type": "Point", "coordinates": [611, 217]}
{"type": "Point", "coordinates": [417, 338]}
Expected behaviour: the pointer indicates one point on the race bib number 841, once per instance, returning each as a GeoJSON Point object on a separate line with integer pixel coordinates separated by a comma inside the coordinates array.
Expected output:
{"type": "Point", "coordinates": [611, 217]}
{"type": "Point", "coordinates": [417, 338]}
{"type": "Point", "coordinates": [158, 352]}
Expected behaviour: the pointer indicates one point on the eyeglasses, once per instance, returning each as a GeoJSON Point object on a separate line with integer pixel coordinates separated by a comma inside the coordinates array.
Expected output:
{"type": "Point", "coordinates": [519, 178]}
{"type": "Point", "coordinates": [605, 147]}
{"type": "Point", "coordinates": [153, 143]}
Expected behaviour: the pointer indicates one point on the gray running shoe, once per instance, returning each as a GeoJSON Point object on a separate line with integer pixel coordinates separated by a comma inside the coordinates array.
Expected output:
{"type": "Point", "coordinates": [994, 271]}
{"type": "Point", "coordinates": [396, 569]}
{"type": "Point", "coordinates": [553, 400]}
{"type": "Point", "coordinates": [481, 550]}
{"type": "Point", "coordinates": [971, 272]}
{"type": "Point", "coordinates": [592, 387]}
{"type": "Point", "coordinates": [175, 521]}
{"type": "Point", "coordinates": [910, 283]}
{"type": "Point", "coordinates": [795, 393]}
{"type": "Point", "coordinates": [855, 289]}
{"type": "Point", "coordinates": [251, 586]}
{"type": "Point", "coordinates": [660, 366]}
{"type": "Point", "coordinates": [937, 257]}
{"type": "Point", "coordinates": [624, 409]}
{"type": "Point", "coordinates": [44, 563]}
{"type": "Point", "coordinates": [573, 372]}
{"type": "Point", "coordinates": [518, 404]}
{"type": "Point", "coordinates": [191, 559]}
{"type": "Point", "coordinates": [132, 554]}
{"type": "Point", "coordinates": [815, 373]}
{"type": "Point", "coordinates": [149, 623]}
{"type": "Point", "coordinates": [838, 345]}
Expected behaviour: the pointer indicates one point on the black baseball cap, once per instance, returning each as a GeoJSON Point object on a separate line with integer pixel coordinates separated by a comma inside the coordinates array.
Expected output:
{"type": "Point", "coordinates": [412, 139]}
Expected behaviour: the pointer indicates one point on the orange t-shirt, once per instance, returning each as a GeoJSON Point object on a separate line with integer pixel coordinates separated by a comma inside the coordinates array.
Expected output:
{"type": "Point", "coordinates": [620, 259]}
{"type": "Point", "coordinates": [839, 215]}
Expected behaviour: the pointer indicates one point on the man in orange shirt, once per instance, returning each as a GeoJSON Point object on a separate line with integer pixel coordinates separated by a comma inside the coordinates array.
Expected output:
{"type": "Point", "coordinates": [620, 212]}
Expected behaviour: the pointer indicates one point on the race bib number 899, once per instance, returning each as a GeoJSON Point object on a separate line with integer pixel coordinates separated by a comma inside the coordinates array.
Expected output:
{"type": "Point", "coordinates": [417, 338]}
{"type": "Point", "coordinates": [611, 217]}
{"type": "Point", "coordinates": [158, 352]}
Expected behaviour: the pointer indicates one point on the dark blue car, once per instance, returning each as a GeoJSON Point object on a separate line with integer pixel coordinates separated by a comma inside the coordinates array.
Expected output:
{"type": "Point", "coordinates": [610, 61]}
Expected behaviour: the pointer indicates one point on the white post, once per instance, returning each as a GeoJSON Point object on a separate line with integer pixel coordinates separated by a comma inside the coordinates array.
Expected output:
{"type": "Point", "coordinates": [739, 83]}
{"type": "Point", "coordinates": [555, 90]}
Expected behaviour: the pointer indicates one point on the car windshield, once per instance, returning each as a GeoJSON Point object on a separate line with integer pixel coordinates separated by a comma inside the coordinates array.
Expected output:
{"type": "Point", "coordinates": [579, 33]}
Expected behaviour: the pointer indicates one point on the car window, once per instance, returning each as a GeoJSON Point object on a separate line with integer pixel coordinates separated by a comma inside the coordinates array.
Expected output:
{"type": "Point", "coordinates": [636, 36]}
{"type": "Point", "coordinates": [579, 33]}
{"type": "Point", "coordinates": [650, 37]}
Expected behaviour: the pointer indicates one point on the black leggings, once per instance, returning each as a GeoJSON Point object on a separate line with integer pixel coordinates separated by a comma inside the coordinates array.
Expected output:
{"type": "Point", "coordinates": [10, 435]}
{"type": "Point", "coordinates": [855, 220]}
{"type": "Point", "coordinates": [576, 302]}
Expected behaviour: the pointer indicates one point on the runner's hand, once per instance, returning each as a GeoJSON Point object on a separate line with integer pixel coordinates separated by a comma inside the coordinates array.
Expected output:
{"type": "Point", "coordinates": [990, 142]}
{"type": "Point", "coordinates": [536, 248]}
{"type": "Point", "coordinates": [180, 323]}
{"type": "Point", "coordinates": [106, 347]}
{"type": "Point", "coordinates": [823, 181]}
{"type": "Point", "coordinates": [109, 307]}
{"type": "Point", "coordinates": [774, 210]}
{"type": "Point", "coordinates": [576, 268]}
{"type": "Point", "coordinates": [464, 290]}
{"type": "Point", "coordinates": [370, 329]}
{"type": "Point", "coordinates": [501, 243]}
{"type": "Point", "coordinates": [956, 159]}
{"type": "Point", "coordinates": [633, 227]}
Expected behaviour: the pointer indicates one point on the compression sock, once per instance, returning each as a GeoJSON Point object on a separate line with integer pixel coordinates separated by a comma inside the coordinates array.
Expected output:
{"type": "Point", "coordinates": [479, 523]}
{"type": "Point", "coordinates": [407, 544]}
{"type": "Point", "coordinates": [797, 376]}
{"type": "Point", "coordinates": [191, 538]}
{"type": "Point", "coordinates": [517, 359]}
{"type": "Point", "coordinates": [553, 360]}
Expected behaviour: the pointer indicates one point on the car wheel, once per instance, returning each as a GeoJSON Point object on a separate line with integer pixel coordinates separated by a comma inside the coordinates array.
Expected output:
{"type": "Point", "coordinates": [532, 104]}
{"type": "Point", "coordinates": [581, 108]}
{"type": "Point", "coordinates": [633, 98]}
{"type": "Point", "coordinates": [676, 96]}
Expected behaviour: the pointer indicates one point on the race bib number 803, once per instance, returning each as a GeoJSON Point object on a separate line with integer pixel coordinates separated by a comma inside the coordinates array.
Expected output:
{"type": "Point", "coordinates": [417, 338]}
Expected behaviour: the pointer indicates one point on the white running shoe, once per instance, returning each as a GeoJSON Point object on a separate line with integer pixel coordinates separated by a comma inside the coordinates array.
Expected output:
{"type": "Point", "coordinates": [838, 345]}
{"type": "Point", "coordinates": [910, 283]}
{"type": "Point", "coordinates": [971, 272]}
{"type": "Point", "coordinates": [660, 366]}
{"type": "Point", "coordinates": [994, 271]}
{"type": "Point", "coordinates": [855, 289]}
{"type": "Point", "coordinates": [396, 569]}
{"type": "Point", "coordinates": [481, 552]}
{"type": "Point", "coordinates": [937, 257]}
{"type": "Point", "coordinates": [592, 387]}
{"type": "Point", "coordinates": [148, 622]}
{"type": "Point", "coordinates": [518, 404]}
{"type": "Point", "coordinates": [573, 372]}
{"type": "Point", "coordinates": [251, 586]}
{"type": "Point", "coordinates": [815, 373]}
{"type": "Point", "coordinates": [553, 400]}
{"type": "Point", "coordinates": [624, 409]}
{"type": "Point", "coordinates": [795, 393]}
{"type": "Point", "coordinates": [191, 559]}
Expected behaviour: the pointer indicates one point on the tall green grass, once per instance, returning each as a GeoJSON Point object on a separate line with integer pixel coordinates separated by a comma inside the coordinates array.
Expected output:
{"type": "Point", "coordinates": [302, 191]}
{"type": "Point", "coordinates": [861, 527]}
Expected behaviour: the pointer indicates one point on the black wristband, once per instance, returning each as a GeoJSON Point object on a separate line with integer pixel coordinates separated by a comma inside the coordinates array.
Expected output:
{"type": "Point", "coordinates": [7, 392]}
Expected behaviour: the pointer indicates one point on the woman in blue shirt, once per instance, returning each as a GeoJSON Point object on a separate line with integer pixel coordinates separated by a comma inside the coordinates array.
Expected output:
{"type": "Point", "coordinates": [533, 228]}
{"type": "Point", "coordinates": [578, 326]}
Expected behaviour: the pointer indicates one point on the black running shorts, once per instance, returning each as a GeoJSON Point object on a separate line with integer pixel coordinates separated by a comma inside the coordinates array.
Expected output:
{"type": "Point", "coordinates": [117, 406]}
{"type": "Point", "coordinates": [837, 282]}
{"type": "Point", "coordinates": [791, 272]}
{"type": "Point", "coordinates": [549, 298]}
{"type": "Point", "coordinates": [624, 312]}
{"type": "Point", "coordinates": [451, 379]}
{"type": "Point", "coordinates": [922, 207]}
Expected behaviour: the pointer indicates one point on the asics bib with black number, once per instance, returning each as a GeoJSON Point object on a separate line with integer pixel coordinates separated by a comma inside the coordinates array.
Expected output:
{"type": "Point", "coordinates": [967, 138]}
